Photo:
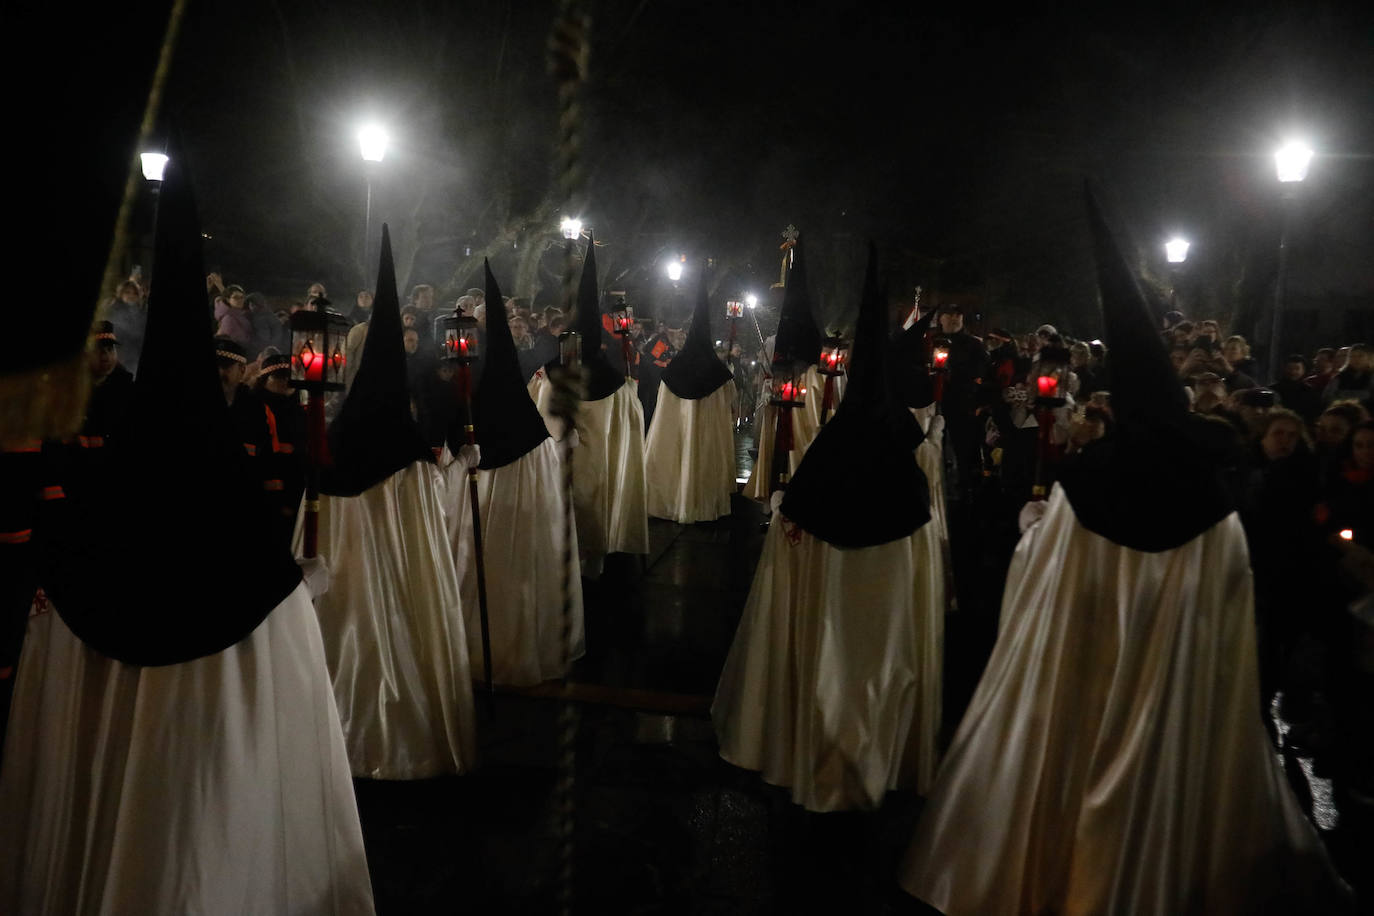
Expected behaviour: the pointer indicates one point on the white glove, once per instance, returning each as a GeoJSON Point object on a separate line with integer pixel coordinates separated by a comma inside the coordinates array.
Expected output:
{"type": "Point", "coordinates": [1031, 514]}
{"type": "Point", "coordinates": [469, 456]}
{"type": "Point", "coordinates": [315, 570]}
{"type": "Point", "coordinates": [775, 501]}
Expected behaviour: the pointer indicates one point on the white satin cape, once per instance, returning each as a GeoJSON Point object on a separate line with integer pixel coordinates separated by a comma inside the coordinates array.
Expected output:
{"type": "Point", "coordinates": [930, 458]}
{"type": "Point", "coordinates": [393, 629]}
{"type": "Point", "coordinates": [689, 456]}
{"type": "Point", "coordinates": [216, 786]}
{"type": "Point", "coordinates": [521, 506]}
{"type": "Point", "coordinates": [1112, 759]}
{"type": "Point", "coordinates": [806, 422]}
{"type": "Point", "coordinates": [609, 490]}
{"type": "Point", "coordinates": [832, 684]}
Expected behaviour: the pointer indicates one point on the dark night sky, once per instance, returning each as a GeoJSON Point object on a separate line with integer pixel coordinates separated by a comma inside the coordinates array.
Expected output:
{"type": "Point", "coordinates": [959, 141]}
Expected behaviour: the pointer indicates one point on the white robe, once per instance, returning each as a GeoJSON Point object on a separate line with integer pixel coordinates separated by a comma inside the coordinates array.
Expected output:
{"type": "Point", "coordinates": [930, 458]}
{"type": "Point", "coordinates": [1112, 759]}
{"type": "Point", "coordinates": [689, 456]}
{"type": "Point", "coordinates": [521, 506]}
{"type": "Point", "coordinates": [806, 422]}
{"type": "Point", "coordinates": [393, 629]}
{"type": "Point", "coordinates": [609, 491]}
{"type": "Point", "coordinates": [832, 684]}
{"type": "Point", "coordinates": [216, 786]}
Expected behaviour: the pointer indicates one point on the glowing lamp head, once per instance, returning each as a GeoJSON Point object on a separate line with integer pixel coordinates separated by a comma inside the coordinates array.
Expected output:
{"type": "Point", "coordinates": [571, 227]}
{"type": "Point", "coordinates": [154, 164]}
{"type": "Point", "coordinates": [752, 301]}
{"type": "Point", "coordinates": [372, 141]}
{"type": "Point", "coordinates": [1347, 534]}
{"type": "Point", "coordinates": [788, 387]}
{"type": "Point", "coordinates": [622, 318]}
{"type": "Point", "coordinates": [674, 269]}
{"type": "Point", "coordinates": [319, 349]}
{"type": "Point", "coordinates": [1291, 161]}
{"type": "Point", "coordinates": [939, 354]}
{"type": "Point", "coordinates": [834, 356]}
{"type": "Point", "coordinates": [1176, 250]}
{"type": "Point", "coordinates": [458, 337]}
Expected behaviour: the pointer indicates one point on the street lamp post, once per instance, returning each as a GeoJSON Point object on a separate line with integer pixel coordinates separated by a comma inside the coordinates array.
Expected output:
{"type": "Point", "coordinates": [372, 143]}
{"type": "Point", "coordinates": [1176, 252]}
{"type": "Point", "coordinates": [1290, 162]}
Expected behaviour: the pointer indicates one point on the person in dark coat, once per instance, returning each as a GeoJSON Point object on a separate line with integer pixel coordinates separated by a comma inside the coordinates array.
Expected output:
{"type": "Point", "coordinates": [1295, 394]}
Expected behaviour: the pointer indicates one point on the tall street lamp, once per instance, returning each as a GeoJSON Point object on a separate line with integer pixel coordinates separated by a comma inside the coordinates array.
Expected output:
{"type": "Point", "coordinates": [1176, 251]}
{"type": "Point", "coordinates": [372, 143]}
{"type": "Point", "coordinates": [1290, 162]}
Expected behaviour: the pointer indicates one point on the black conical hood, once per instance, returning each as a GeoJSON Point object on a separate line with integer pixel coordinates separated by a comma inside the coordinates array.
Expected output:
{"type": "Point", "coordinates": [508, 424]}
{"type": "Point", "coordinates": [799, 338]}
{"type": "Point", "coordinates": [859, 484]}
{"type": "Point", "coordinates": [603, 379]}
{"type": "Point", "coordinates": [1157, 482]}
{"type": "Point", "coordinates": [696, 371]}
{"type": "Point", "coordinates": [908, 366]}
{"type": "Point", "coordinates": [166, 559]}
{"type": "Point", "coordinates": [375, 434]}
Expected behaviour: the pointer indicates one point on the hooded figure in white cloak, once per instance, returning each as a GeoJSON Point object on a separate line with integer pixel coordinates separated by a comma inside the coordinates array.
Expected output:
{"type": "Point", "coordinates": [393, 620]}
{"type": "Point", "coordinates": [520, 502]}
{"type": "Point", "coordinates": [689, 457]}
{"type": "Point", "coordinates": [174, 745]}
{"type": "Point", "coordinates": [609, 494]}
{"type": "Point", "coordinates": [832, 685]}
{"type": "Point", "coordinates": [797, 344]}
{"type": "Point", "coordinates": [1112, 759]}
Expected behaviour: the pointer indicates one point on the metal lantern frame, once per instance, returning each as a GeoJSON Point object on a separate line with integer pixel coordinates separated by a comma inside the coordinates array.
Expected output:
{"type": "Point", "coordinates": [1052, 377]}
{"type": "Point", "coordinates": [834, 356]}
{"type": "Point", "coordinates": [622, 318]}
{"type": "Point", "coordinates": [459, 338]}
{"type": "Point", "coordinates": [939, 354]}
{"type": "Point", "coordinates": [787, 387]}
{"type": "Point", "coordinates": [734, 308]}
{"type": "Point", "coordinates": [319, 348]}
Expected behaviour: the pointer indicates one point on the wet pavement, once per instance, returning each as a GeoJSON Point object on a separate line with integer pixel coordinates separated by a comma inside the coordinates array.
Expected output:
{"type": "Point", "coordinates": [662, 824]}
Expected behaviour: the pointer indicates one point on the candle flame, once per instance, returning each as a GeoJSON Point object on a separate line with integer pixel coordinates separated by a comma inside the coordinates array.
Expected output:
{"type": "Point", "coordinates": [1347, 534]}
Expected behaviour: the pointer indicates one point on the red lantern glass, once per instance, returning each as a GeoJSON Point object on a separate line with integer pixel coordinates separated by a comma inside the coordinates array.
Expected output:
{"type": "Point", "coordinates": [458, 337]}
{"type": "Point", "coordinates": [319, 338]}
{"type": "Point", "coordinates": [834, 356]}
{"type": "Point", "coordinates": [788, 385]}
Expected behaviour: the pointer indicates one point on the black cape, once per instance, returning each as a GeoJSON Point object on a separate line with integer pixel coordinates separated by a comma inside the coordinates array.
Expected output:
{"type": "Point", "coordinates": [508, 425]}
{"type": "Point", "coordinates": [191, 572]}
{"type": "Point", "coordinates": [696, 371]}
{"type": "Point", "coordinates": [859, 484]}
{"type": "Point", "coordinates": [1159, 480]}
{"type": "Point", "coordinates": [375, 434]}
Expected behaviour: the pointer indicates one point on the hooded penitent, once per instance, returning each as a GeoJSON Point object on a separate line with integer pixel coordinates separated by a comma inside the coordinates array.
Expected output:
{"type": "Point", "coordinates": [603, 379]}
{"type": "Point", "coordinates": [507, 422]}
{"type": "Point", "coordinates": [375, 434]}
{"type": "Point", "coordinates": [696, 371]}
{"type": "Point", "coordinates": [859, 484]}
{"type": "Point", "coordinates": [908, 365]}
{"type": "Point", "coordinates": [799, 337]}
{"type": "Point", "coordinates": [1156, 482]}
{"type": "Point", "coordinates": [189, 573]}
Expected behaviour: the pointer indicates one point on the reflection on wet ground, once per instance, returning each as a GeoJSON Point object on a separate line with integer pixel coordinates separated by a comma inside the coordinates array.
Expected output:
{"type": "Point", "coordinates": [662, 824]}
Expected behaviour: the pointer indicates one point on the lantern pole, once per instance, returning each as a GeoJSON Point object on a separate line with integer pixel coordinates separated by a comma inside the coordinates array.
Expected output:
{"type": "Point", "coordinates": [1049, 396]}
{"type": "Point", "coordinates": [316, 365]}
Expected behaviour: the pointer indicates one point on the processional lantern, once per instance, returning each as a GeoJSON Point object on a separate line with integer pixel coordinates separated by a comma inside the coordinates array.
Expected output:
{"type": "Point", "coordinates": [788, 385]}
{"type": "Point", "coordinates": [734, 308]}
{"type": "Point", "coordinates": [834, 356]}
{"type": "Point", "coordinates": [458, 337]}
{"type": "Point", "coordinates": [939, 354]}
{"type": "Point", "coordinates": [1051, 377]}
{"type": "Point", "coordinates": [319, 344]}
{"type": "Point", "coordinates": [622, 318]}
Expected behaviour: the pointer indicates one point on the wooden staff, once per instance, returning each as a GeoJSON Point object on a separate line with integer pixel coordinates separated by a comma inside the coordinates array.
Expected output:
{"type": "Point", "coordinates": [465, 382]}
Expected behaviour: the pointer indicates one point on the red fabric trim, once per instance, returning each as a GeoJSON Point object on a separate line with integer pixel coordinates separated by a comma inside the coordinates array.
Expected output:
{"type": "Point", "coordinates": [53, 493]}
{"type": "Point", "coordinates": [16, 537]}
